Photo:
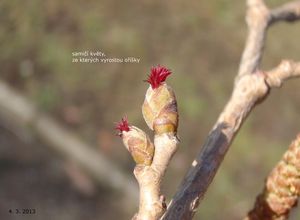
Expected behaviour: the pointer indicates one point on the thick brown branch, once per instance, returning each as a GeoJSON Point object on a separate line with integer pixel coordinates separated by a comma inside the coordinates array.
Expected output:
{"type": "Point", "coordinates": [249, 90]}
{"type": "Point", "coordinates": [282, 188]}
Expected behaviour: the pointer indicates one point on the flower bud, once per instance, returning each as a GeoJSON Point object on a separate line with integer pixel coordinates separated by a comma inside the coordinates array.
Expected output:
{"type": "Point", "coordinates": [137, 143]}
{"type": "Point", "coordinates": [160, 106]}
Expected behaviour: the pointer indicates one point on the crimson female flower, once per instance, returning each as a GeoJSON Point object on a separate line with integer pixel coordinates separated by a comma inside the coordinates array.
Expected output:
{"type": "Point", "coordinates": [122, 126]}
{"type": "Point", "coordinates": [160, 106]}
{"type": "Point", "coordinates": [157, 76]}
{"type": "Point", "coordinates": [136, 142]}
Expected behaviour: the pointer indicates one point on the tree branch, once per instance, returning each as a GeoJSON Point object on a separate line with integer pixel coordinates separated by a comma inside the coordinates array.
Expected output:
{"type": "Point", "coordinates": [259, 18]}
{"type": "Point", "coordinates": [152, 202]}
{"type": "Point", "coordinates": [251, 87]}
{"type": "Point", "coordinates": [160, 113]}
{"type": "Point", "coordinates": [288, 12]}
{"type": "Point", "coordinates": [249, 91]}
{"type": "Point", "coordinates": [286, 70]}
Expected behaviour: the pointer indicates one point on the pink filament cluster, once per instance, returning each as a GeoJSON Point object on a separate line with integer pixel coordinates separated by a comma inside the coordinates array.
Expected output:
{"type": "Point", "coordinates": [157, 76]}
{"type": "Point", "coordinates": [122, 126]}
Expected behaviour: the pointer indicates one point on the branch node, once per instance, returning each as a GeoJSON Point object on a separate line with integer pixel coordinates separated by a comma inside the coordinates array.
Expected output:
{"type": "Point", "coordinates": [286, 69]}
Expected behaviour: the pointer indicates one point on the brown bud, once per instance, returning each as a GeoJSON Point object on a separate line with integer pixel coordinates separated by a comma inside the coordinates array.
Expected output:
{"type": "Point", "coordinates": [139, 145]}
{"type": "Point", "coordinates": [160, 109]}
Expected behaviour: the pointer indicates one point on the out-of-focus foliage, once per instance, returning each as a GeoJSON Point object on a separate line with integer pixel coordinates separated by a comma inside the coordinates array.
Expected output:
{"type": "Point", "coordinates": [201, 41]}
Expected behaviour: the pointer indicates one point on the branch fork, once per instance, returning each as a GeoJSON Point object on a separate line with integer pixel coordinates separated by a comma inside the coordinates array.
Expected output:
{"type": "Point", "coordinates": [251, 87]}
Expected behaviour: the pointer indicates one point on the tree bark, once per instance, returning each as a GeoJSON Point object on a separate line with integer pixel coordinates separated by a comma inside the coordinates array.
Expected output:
{"type": "Point", "coordinates": [251, 88]}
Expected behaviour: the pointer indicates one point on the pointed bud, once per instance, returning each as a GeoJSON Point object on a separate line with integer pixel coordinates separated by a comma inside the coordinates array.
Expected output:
{"type": "Point", "coordinates": [137, 143]}
{"type": "Point", "coordinates": [160, 106]}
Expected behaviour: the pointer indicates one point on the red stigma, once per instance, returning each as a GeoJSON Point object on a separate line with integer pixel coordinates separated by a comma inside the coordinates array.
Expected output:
{"type": "Point", "coordinates": [122, 126]}
{"type": "Point", "coordinates": [157, 76]}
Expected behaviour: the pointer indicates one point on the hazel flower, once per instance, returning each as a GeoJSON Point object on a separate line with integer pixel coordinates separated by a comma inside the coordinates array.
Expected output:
{"type": "Point", "coordinates": [160, 106]}
{"type": "Point", "coordinates": [136, 142]}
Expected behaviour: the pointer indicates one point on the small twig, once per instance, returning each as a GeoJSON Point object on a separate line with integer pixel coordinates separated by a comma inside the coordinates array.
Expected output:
{"type": "Point", "coordinates": [286, 70]}
{"type": "Point", "coordinates": [282, 188]}
{"type": "Point", "coordinates": [152, 202]}
{"type": "Point", "coordinates": [161, 115]}
{"type": "Point", "coordinates": [288, 12]}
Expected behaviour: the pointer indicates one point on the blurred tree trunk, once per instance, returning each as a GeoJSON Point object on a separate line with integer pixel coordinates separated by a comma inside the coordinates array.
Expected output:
{"type": "Point", "coordinates": [24, 119]}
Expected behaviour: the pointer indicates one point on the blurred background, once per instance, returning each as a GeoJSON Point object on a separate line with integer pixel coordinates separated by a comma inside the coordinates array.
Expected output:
{"type": "Point", "coordinates": [200, 41]}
